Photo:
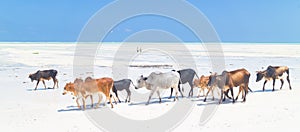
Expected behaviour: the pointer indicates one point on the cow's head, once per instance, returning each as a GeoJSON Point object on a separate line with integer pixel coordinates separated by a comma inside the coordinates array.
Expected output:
{"type": "Point", "coordinates": [215, 79]}
{"type": "Point", "coordinates": [141, 82]}
{"type": "Point", "coordinates": [32, 77]}
{"type": "Point", "coordinates": [259, 75]}
{"type": "Point", "coordinates": [69, 88]}
{"type": "Point", "coordinates": [212, 79]}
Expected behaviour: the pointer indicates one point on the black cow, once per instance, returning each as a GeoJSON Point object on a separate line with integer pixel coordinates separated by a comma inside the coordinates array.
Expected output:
{"type": "Point", "coordinates": [186, 76]}
{"type": "Point", "coordinates": [121, 85]}
{"type": "Point", "coordinates": [44, 75]}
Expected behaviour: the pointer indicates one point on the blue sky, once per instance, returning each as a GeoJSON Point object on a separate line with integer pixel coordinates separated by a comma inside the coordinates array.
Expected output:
{"type": "Point", "coordinates": [234, 20]}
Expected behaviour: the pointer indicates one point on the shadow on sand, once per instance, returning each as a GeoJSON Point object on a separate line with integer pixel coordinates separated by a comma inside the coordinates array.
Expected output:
{"type": "Point", "coordinates": [39, 89]}
{"type": "Point", "coordinates": [75, 108]}
{"type": "Point", "coordinates": [266, 90]}
{"type": "Point", "coordinates": [153, 101]}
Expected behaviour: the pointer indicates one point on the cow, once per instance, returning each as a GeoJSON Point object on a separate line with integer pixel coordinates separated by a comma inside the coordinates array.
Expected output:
{"type": "Point", "coordinates": [273, 73]}
{"type": "Point", "coordinates": [158, 80]}
{"type": "Point", "coordinates": [44, 75]}
{"type": "Point", "coordinates": [228, 80]}
{"type": "Point", "coordinates": [77, 91]}
{"type": "Point", "coordinates": [83, 89]}
{"type": "Point", "coordinates": [202, 84]}
{"type": "Point", "coordinates": [186, 76]}
{"type": "Point", "coordinates": [120, 85]}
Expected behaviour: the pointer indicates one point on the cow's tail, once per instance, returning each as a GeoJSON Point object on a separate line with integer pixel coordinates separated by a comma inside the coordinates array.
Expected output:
{"type": "Point", "coordinates": [133, 84]}
{"type": "Point", "coordinates": [250, 89]}
{"type": "Point", "coordinates": [197, 75]}
{"type": "Point", "coordinates": [288, 73]}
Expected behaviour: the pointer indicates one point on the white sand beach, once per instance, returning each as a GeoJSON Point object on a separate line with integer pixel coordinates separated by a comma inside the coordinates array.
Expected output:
{"type": "Point", "coordinates": [23, 109]}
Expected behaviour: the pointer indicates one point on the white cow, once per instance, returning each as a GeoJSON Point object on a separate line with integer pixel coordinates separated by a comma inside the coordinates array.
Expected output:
{"type": "Point", "coordinates": [159, 80]}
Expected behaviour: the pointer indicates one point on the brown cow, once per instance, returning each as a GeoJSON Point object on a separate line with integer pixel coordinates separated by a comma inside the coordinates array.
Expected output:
{"type": "Point", "coordinates": [77, 91]}
{"type": "Point", "coordinates": [202, 84]}
{"type": "Point", "coordinates": [273, 73]}
{"type": "Point", "coordinates": [89, 87]}
{"type": "Point", "coordinates": [228, 80]}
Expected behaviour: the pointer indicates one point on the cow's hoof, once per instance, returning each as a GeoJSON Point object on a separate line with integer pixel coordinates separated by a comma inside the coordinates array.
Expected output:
{"type": "Point", "coordinates": [204, 100]}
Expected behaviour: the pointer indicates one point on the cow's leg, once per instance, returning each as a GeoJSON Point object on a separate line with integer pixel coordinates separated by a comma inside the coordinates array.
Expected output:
{"type": "Point", "coordinates": [203, 93]}
{"type": "Point", "coordinates": [99, 101]}
{"type": "Point", "coordinates": [171, 93]}
{"type": "Point", "coordinates": [274, 79]}
{"type": "Point", "coordinates": [244, 94]}
{"type": "Point", "coordinates": [191, 91]}
{"type": "Point", "coordinates": [114, 97]}
{"type": "Point", "coordinates": [54, 81]}
{"type": "Point", "coordinates": [83, 102]}
{"type": "Point", "coordinates": [288, 79]}
{"type": "Point", "coordinates": [207, 93]}
{"type": "Point", "coordinates": [112, 106]}
{"type": "Point", "coordinates": [200, 89]}
{"type": "Point", "coordinates": [38, 81]}
{"type": "Point", "coordinates": [128, 95]}
{"type": "Point", "coordinates": [180, 90]}
{"type": "Point", "coordinates": [152, 91]}
{"type": "Point", "coordinates": [264, 85]}
{"type": "Point", "coordinates": [78, 103]}
{"type": "Point", "coordinates": [92, 101]}
{"type": "Point", "coordinates": [212, 94]}
{"type": "Point", "coordinates": [108, 97]}
{"type": "Point", "coordinates": [116, 93]}
{"type": "Point", "coordinates": [240, 89]}
{"type": "Point", "coordinates": [231, 90]}
{"type": "Point", "coordinates": [226, 95]}
{"type": "Point", "coordinates": [176, 94]}
{"type": "Point", "coordinates": [44, 84]}
{"type": "Point", "coordinates": [158, 94]}
{"type": "Point", "coordinates": [281, 83]}
{"type": "Point", "coordinates": [221, 98]}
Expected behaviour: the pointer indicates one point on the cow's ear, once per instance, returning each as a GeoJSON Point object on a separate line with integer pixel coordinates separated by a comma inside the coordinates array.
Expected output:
{"type": "Point", "coordinates": [145, 78]}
